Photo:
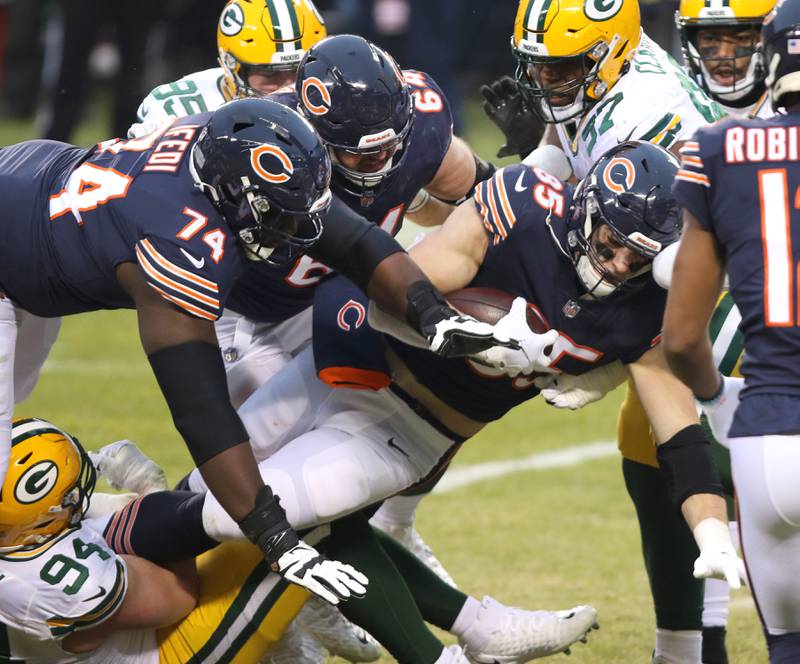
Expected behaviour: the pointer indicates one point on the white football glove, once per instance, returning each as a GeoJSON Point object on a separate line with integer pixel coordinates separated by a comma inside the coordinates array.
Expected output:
{"type": "Point", "coordinates": [127, 468]}
{"type": "Point", "coordinates": [329, 579]}
{"type": "Point", "coordinates": [533, 353]}
{"type": "Point", "coordinates": [573, 392]}
{"type": "Point", "coordinates": [462, 335]}
{"type": "Point", "coordinates": [718, 558]}
{"type": "Point", "coordinates": [719, 411]}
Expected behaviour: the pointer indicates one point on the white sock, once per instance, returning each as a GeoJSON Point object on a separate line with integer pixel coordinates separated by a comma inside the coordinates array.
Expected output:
{"type": "Point", "coordinates": [716, 595]}
{"type": "Point", "coordinates": [466, 617]}
{"type": "Point", "coordinates": [680, 646]}
{"type": "Point", "coordinates": [398, 510]}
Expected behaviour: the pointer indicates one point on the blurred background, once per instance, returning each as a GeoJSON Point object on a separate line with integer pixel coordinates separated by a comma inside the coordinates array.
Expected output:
{"type": "Point", "coordinates": [76, 70]}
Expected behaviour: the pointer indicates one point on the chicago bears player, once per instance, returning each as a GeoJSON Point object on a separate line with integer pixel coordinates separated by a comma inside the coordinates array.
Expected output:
{"type": "Point", "coordinates": [756, 247]}
{"type": "Point", "coordinates": [622, 216]}
{"type": "Point", "coordinates": [162, 224]}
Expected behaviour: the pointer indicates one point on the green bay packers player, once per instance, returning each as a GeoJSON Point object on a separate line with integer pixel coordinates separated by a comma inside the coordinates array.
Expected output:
{"type": "Point", "coordinates": [590, 78]}
{"type": "Point", "coordinates": [66, 596]}
{"type": "Point", "coordinates": [260, 45]}
{"type": "Point", "coordinates": [719, 41]}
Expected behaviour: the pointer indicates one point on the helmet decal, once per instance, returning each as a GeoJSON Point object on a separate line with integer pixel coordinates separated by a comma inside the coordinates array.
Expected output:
{"type": "Point", "coordinates": [602, 10]}
{"type": "Point", "coordinates": [231, 21]}
{"type": "Point", "coordinates": [616, 184]}
{"type": "Point", "coordinates": [256, 155]}
{"type": "Point", "coordinates": [325, 104]}
{"type": "Point", "coordinates": [36, 482]}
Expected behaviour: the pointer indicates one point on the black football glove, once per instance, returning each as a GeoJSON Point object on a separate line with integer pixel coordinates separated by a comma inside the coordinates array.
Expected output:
{"type": "Point", "coordinates": [504, 105]}
{"type": "Point", "coordinates": [297, 562]}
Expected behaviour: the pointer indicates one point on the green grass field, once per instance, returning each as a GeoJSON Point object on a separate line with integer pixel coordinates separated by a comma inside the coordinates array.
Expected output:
{"type": "Point", "coordinates": [537, 538]}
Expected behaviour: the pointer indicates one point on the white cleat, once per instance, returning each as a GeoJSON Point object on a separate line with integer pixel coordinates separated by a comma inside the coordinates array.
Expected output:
{"type": "Point", "coordinates": [296, 646]}
{"type": "Point", "coordinates": [452, 655]}
{"type": "Point", "coordinates": [126, 467]}
{"type": "Point", "coordinates": [507, 635]}
{"type": "Point", "coordinates": [336, 633]}
{"type": "Point", "coordinates": [408, 536]}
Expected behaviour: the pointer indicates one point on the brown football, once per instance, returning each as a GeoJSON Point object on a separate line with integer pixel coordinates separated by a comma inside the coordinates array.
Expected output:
{"type": "Point", "coordinates": [491, 304]}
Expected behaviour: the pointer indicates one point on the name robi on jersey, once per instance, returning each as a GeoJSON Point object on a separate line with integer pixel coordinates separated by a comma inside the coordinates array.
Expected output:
{"type": "Point", "coordinates": [756, 144]}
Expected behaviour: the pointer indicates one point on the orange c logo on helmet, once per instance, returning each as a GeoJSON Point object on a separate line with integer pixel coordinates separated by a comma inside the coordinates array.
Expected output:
{"type": "Point", "coordinates": [608, 175]}
{"type": "Point", "coordinates": [319, 86]}
{"type": "Point", "coordinates": [272, 177]}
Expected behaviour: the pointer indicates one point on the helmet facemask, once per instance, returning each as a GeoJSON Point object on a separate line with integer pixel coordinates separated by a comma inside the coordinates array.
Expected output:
{"type": "Point", "coordinates": [596, 242]}
{"type": "Point", "coordinates": [583, 90]}
{"type": "Point", "coordinates": [701, 48]}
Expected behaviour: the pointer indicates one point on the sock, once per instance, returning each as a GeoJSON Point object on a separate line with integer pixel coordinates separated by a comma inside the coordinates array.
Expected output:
{"type": "Point", "coordinates": [784, 648]}
{"type": "Point", "coordinates": [388, 611]}
{"type": "Point", "coordinates": [398, 510]}
{"type": "Point", "coordinates": [466, 617]}
{"type": "Point", "coordinates": [715, 603]}
{"type": "Point", "coordinates": [669, 550]}
{"type": "Point", "coordinates": [714, 651]}
{"type": "Point", "coordinates": [683, 646]}
{"type": "Point", "coordinates": [163, 527]}
{"type": "Point", "coordinates": [439, 603]}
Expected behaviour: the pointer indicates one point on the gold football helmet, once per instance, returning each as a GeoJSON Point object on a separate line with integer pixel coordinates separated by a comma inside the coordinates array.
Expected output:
{"type": "Point", "coordinates": [572, 52]}
{"type": "Point", "coordinates": [267, 37]}
{"type": "Point", "coordinates": [47, 487]}
{"type": "Point", "coordinates": [719, 41]}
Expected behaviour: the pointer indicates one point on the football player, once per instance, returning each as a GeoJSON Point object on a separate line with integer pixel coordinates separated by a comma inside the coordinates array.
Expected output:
{"type": "Point", "coordinates": [589, 274]}
{"type": "Point", "coordinates": [586, 88]}
{"type": "Point", "coordinates": [389, 133]}
{"type": "Point", "coordinates": [750, 236]}
{"type": "Point", "coordinates": [164, 224]}
{"type": "Point", "coordinates": [69, 596]}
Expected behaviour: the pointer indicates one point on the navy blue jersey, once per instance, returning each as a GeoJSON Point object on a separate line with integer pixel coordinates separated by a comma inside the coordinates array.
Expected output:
{"type": "Point", "coordinates": [272, 294]}
{"type": "Point", "coordinates": [739, 179]}
{"type": "Point", "coordinates": [71, 216]}
{"type": "Point", "coordinates": [525, 257]}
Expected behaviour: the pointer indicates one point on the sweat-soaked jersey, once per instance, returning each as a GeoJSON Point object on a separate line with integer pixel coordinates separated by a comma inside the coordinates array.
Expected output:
{"type": "Point", "coordinates": [739, 179]}
{"type": "Point", "coordinates": [71, 216]}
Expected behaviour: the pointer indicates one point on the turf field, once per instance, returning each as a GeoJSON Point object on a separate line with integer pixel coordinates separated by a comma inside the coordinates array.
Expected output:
{"type": "Point", "coordinates": [539, 537]}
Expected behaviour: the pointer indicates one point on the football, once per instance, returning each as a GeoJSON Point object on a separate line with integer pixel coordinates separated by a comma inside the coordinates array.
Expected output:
{"type": "Point", "coordinates": [490, 304]}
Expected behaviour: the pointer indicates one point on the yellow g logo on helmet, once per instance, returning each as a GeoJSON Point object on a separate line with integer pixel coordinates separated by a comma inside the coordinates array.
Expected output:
{"type": "Point", "coordinates": [271, 35]}
{"type": "Point", "coordinates": [602, 10]}
{"type": "Point", "coordinates": [47, 487]}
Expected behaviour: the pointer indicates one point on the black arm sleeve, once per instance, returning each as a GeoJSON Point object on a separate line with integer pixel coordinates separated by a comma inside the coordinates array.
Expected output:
{"type": "Point", "coordinates": [352, 245]}
{"type": "Point", "coordinates": [192, 378]}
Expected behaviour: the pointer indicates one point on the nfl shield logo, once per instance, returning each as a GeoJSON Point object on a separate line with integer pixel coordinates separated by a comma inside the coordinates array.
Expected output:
{"type": "Point", "coordinates": [793, 46]}
{"type": "Point", "coordinates": [571, 309]}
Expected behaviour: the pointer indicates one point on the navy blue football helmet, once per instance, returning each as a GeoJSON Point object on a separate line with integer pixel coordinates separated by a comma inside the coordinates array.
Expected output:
{"type": "Point", "coordinates": [780, 41]}
{"type": "Point", "coordinates": [629, 191]}
{"type": "Point", "coordinates": [354, 95]}
{"type": "Point", "coordinates": [266, 170]}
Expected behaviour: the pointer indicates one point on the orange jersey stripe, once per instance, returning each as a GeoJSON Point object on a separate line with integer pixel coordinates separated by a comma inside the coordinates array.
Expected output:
{"type": "Point", "coordinates": [689, 176]}
{"type": "Point", "coordinates": [510, 218]}
{"type": "Point", "coordinates": [171, 267]}
{"type": "Point", "coordinates": [183, 304]}
{"type": "Point", "coordinates": [174, 285]}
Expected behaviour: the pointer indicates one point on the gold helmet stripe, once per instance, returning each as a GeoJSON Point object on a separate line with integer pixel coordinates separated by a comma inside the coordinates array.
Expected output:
{"type": "Point", "coordinates": [285, 25]}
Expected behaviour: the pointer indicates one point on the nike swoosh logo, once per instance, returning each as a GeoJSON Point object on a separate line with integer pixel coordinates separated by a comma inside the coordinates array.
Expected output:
{"type": "Point", "coordinates": [518, 183]}
{"type": "Point", "coordinates": [99, 594]}
{"type": "Point", "coordinates": [197, 262]}
{"type": "Point", "coordinates": [391, 444]}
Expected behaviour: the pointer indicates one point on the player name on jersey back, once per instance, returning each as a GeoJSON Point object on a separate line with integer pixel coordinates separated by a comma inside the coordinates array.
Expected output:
{"type": "Point", "coordinates": [761, 144]}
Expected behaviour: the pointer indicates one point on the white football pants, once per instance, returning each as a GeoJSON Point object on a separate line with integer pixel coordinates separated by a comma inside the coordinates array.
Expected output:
{"type": "Point", "coordinates": [765, 472]}
{"type": "Point", "coordinates": [254, 352]}
{"type": "Point", "coordinates": [25, 341]}
{"type": "Point", "coordinates": [329, 452]}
